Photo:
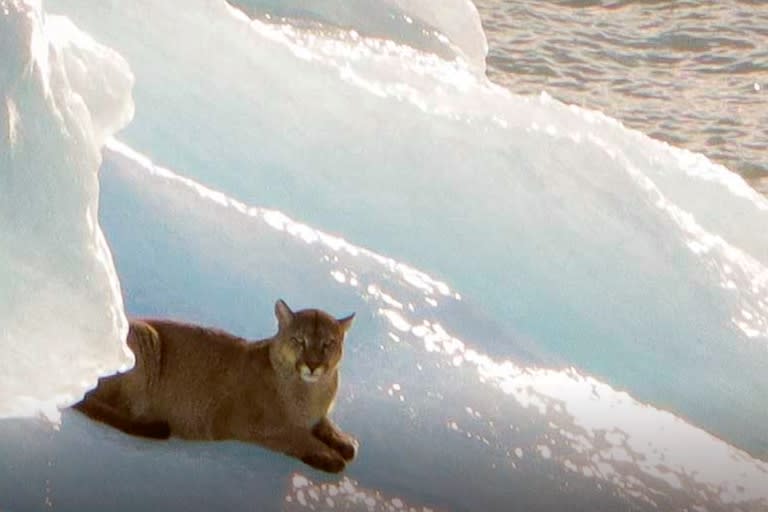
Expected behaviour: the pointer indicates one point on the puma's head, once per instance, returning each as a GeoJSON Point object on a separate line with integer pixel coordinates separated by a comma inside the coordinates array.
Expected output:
{"type": "Point", "coordinates": [310, 341]}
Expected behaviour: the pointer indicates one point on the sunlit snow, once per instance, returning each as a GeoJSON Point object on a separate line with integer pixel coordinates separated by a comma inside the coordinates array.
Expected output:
{"type": "Point", "coordinates": [61, 95]}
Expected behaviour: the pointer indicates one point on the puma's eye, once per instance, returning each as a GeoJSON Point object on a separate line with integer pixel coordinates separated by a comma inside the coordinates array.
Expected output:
{"type": "Point", "coordinates": [298, 342]}
{"type": "Point", "coordinates": [328, 345]}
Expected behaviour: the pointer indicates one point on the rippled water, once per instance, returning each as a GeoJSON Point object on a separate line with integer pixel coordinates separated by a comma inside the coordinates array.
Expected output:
{"type": "Point", "coordinates": [692, 73]}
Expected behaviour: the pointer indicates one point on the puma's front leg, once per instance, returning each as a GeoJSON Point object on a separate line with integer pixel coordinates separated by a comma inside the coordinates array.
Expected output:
{"type": "Point", "coordinates": [302, 445]}
{"type": "Point", "coordinates": [327, 432]}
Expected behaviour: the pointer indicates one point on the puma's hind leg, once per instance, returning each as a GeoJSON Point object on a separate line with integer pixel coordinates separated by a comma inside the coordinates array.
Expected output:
{"type": "Point", "coordinates": [107, 404]}
{"type": "Point", "coordinates": [344, 444]}
{"type": "Point", "coordinates": [121, 400]}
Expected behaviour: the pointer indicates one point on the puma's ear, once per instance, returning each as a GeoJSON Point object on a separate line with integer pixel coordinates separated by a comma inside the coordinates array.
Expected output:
{"type": "Point", "coordinates": [346, 322]}
{"type": "Point", "coordinates": [283, 313]}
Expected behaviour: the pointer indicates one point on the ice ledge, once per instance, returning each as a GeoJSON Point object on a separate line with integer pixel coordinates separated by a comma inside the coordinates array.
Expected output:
{"type": "Point", "coordinates": [61, 311]}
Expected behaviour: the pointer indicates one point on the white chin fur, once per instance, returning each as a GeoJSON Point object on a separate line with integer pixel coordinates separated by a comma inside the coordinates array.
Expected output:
{"type": "Point", "coordinates": [309, 378]}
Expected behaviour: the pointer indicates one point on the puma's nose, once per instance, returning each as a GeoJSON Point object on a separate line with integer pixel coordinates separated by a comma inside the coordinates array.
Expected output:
{"type": "Point", "coordinates": [312, 365]}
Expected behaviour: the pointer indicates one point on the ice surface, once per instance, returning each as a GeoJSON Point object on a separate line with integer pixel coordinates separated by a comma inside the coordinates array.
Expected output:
{"type": "Point", "coordinates": [443, 424]}
{"type": "Point", "coordinates": [61, 95]}
{"type": "Point", "coordinates": [638, 262]}
{"type": "Point", "coordinates": [450, 29]}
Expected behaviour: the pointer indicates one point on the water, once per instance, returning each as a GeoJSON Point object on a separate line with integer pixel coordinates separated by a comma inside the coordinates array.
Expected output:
{"type": "Point", "coordinates": [691, 73]}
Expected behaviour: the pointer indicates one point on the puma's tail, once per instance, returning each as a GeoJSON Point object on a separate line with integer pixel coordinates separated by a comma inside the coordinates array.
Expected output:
{"type": "Point", "coordinates": [105, 413]}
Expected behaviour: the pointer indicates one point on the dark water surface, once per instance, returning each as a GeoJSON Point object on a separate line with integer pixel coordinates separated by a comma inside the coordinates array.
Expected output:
{"type": "Point", "coordinates": [692, 73]}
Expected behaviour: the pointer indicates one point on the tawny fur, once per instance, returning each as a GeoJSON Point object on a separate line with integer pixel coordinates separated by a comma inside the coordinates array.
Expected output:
{"type": "Point", "coordinates": [199, 383]}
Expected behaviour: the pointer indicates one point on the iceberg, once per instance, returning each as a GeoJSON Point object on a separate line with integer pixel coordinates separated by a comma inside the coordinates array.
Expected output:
{"type": "Point", "coordinates": [553, 312]}
{"type": "Point", "coordinates": [61, 311]}
{"type": "Point", "coordinates": [600, 245]}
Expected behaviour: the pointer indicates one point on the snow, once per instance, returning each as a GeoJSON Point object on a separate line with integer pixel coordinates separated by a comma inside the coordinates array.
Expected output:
{"type": "Point", "coordinates": [552, 312]}
{"type": "Point", "coordinates": [61, 95]}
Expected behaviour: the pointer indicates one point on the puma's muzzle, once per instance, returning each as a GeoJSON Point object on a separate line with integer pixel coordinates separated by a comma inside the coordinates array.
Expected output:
{"type": "Point", "coordinates": [311, 376]}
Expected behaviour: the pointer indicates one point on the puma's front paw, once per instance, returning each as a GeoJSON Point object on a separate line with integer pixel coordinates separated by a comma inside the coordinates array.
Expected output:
{"type": "Point", "coordinates": [340, 442]}
{"type": "Point", "coordinates": [329, 462]}
{"type": "Point", "coordinates": [347, 446]}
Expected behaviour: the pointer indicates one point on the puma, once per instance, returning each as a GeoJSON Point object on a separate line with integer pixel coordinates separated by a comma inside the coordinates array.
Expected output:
{"type": "Point", "coordinates": [205, 384]}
